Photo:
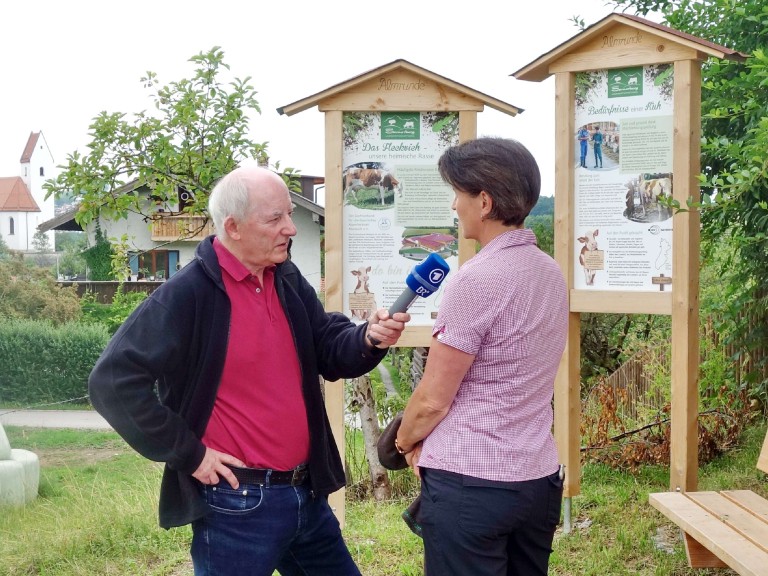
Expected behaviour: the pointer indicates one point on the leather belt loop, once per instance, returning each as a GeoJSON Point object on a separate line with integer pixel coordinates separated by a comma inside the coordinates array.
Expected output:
{"type": "Point", "coordinates": [299, 474]}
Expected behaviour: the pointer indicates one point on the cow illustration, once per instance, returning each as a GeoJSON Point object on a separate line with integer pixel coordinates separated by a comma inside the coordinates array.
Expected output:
{"type": "Point", "coordinates": [358, 178]}
{"type": "Point", "coordinates": [408, 124]}
{"type": "Point", "coordinates": [590, 245]}
{"type": "Point", "coordinates": [362, 287]}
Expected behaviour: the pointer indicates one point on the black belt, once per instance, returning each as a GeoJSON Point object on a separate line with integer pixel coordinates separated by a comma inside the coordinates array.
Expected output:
{"type": "Point", "coordinates": [265, 477]}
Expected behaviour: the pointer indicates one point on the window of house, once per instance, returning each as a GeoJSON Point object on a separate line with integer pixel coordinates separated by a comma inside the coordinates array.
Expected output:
{"type": "Point", "coordinates": [155, 264]}
{"type": "Point", "coordinates": [12, 226]}
{"type": "Point", "coordinates": [42, 171]}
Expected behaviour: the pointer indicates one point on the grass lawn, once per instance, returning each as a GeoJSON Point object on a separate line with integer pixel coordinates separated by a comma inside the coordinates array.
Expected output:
{"type": "Point", "coordinates": [96, 515]}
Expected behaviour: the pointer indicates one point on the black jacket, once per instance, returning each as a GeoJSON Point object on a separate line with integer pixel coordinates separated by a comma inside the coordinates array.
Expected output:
{"type": "Point", "coordinates": [157, 379]}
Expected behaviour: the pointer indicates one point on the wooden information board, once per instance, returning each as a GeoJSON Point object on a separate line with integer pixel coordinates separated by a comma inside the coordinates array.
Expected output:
{"type": "Point", "coordinates": [638, 85]}
{"type": "Point", "coordinates": [386, 206]}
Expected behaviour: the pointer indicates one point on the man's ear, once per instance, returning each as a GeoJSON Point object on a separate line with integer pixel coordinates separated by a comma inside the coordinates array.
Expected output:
{"type": "Point", "coordinates": [231, 228]}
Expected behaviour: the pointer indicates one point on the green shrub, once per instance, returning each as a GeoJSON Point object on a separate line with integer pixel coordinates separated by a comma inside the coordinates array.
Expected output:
{"type": "Point", "coordinates": [40, 362]}
{"type": "Point", "coordinates": [31, 292]}
{"type": "Point", "coordinates": [99, 257]}
{"type": "Point", "coordinates": [111, 315]}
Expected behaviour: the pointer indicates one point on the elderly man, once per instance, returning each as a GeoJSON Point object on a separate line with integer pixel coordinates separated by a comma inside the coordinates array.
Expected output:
{"type": "Point", "coordinates": [217, 375]}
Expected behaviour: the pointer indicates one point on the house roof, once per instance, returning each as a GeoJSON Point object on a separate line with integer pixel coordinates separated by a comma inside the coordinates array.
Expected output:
{"type": "Point", "coordinates": [66, 220]}
{"type": "Point", "coordinates": [393, 66]}
{"type": "Point", "coordinates": [15, 196]}
{"type": "Point", "coordinates": [539, 69]}
{"type": "Point", "coordinates": [299, 200]}
{"type": "Point", "coordinates": [26, 156]}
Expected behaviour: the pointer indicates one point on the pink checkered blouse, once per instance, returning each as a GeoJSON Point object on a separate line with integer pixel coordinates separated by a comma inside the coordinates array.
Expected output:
{"type": "Point", "coordinates": [507, 306]}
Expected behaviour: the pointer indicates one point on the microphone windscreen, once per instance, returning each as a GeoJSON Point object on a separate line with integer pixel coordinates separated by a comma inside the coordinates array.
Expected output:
{"type": "Point", "coordinates": [427, 276]}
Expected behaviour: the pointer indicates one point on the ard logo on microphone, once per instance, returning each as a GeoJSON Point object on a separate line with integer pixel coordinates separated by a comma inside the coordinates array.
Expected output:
{"type": "Point", "coordinates": [436, 276]}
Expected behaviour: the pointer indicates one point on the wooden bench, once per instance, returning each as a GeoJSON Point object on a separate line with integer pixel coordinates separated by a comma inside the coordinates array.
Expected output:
{"type": "Point", "coordinates": [725, 529]}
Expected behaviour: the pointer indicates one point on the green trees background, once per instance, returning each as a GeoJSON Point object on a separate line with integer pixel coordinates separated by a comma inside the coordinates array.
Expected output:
{"type": "Point", "coordinates": [197, 131]}
{"type": "Point", "coordinates": [734, 179]}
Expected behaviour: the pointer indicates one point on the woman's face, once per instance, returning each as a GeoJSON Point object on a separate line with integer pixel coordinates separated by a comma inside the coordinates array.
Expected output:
{"type": "Point", "coordinates": [468, 209]}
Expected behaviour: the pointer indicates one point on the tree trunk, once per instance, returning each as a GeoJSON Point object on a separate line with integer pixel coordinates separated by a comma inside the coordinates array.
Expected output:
{"type": "Point", "coordinates": [369, 424]}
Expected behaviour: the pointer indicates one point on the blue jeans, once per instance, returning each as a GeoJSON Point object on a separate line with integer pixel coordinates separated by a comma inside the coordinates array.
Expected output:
{"type": "Point", "coordinates": [255, 530]}
{"type": "Point", "coordinates": [486, 528]}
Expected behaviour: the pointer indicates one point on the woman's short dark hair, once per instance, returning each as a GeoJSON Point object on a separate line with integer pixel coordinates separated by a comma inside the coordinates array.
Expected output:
{"type": "Point", "coordinates": [503, 167]}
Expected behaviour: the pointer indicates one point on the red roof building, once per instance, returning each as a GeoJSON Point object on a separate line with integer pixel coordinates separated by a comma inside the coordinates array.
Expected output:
{"type": "Point", "coordinates": [15, 196]}
{"type": "Point", "coordinates": [23, 202]}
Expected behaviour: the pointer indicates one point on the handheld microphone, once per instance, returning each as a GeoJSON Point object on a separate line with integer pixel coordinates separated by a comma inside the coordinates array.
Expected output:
{"type": "Point", "coordinates": [423, 281]}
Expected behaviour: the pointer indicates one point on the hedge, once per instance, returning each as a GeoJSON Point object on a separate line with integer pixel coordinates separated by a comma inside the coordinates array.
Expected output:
{"type": "Point", "coordinates": [41, 363]}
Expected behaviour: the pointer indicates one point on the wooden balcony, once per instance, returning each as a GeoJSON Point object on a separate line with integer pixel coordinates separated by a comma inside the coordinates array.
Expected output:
{"type": "Point", "coordinates": [182, 228]}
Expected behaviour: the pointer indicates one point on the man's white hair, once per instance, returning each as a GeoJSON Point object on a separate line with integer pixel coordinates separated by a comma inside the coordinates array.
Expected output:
{"type": "Point", "coordinates": [229, 197]}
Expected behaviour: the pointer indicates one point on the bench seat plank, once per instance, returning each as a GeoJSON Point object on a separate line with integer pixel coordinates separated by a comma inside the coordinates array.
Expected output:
{"type": "Point", "coordinates": [748, 525]}
{"type": "Point", "coordinates": [753, 503]}
{"type": "Point", "coordinates": [725, 542]}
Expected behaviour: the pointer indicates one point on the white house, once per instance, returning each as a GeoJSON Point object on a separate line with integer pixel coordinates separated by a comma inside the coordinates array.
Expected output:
{"type": "Point", "coordinates": [23, 206]}
{"type": "Point", "coordinates": [157, 249]}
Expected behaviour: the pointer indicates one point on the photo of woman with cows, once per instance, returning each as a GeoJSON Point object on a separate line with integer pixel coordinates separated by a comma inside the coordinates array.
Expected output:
{"type": "Point", "coordinates": [370, 185]}
{"type": "Point", "coordinates": [647, 195]}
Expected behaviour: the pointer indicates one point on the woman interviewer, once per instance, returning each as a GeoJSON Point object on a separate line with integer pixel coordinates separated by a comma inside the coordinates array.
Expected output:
{"type": "Point", "coordinates": [478, 427]}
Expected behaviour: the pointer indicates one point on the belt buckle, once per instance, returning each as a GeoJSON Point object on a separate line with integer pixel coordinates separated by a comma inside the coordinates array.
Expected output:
{"type": "Point", "coordinates": [299, 474]}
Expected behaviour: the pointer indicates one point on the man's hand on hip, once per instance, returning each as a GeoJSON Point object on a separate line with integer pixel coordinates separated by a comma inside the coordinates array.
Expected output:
{"type": "Point", "coordinates": [214, 464]}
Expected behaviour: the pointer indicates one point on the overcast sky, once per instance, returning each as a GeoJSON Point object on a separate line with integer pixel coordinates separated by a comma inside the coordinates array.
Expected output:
{"type": "Point", "coordinates": [63, 61]}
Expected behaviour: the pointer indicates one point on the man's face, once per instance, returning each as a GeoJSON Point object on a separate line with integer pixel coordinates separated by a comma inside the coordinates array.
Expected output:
{"type": "Point", "coordinates": [265, 232]}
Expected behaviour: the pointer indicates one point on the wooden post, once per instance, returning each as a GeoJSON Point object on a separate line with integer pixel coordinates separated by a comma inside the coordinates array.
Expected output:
{"type": "Point", "coordinates": [684, 465]}
{"type": "Point", "coordinates": [467, 131]}
{"type": "Point", "coordinates": [334, 391]}
{"type": "Point", "coordinates": [568, 380]}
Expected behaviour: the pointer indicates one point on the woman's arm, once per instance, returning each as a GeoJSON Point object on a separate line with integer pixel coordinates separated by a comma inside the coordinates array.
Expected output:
{"type": "Point", "coordinates": [430, 401]}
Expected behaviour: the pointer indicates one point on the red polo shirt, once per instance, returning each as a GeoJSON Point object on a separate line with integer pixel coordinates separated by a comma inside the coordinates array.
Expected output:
{"type": "Point", "coordinates": [259, 415]}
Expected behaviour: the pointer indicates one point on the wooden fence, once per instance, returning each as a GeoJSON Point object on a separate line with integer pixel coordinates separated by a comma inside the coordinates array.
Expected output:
{"type": "Point", "coordinates": [644, 381]}
{"type": "Point", "coordinates": [418, 362]}
{"type": "Point", "coordinates": [755, 360]}
{"type": "Point", "coordinates": [640, 383]}
{"type": "Point", "coordinates": [104, 291]}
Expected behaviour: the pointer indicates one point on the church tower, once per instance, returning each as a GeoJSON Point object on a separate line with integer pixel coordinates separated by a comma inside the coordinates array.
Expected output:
{"type": "Point", "coordinates": [37, 166]}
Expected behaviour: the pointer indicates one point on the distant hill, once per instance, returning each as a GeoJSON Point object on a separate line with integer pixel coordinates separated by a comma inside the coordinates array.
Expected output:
{"type": "Point", "coordinates": [545, 206]}
{"type": "Point", "coordinates": [63, 199]}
